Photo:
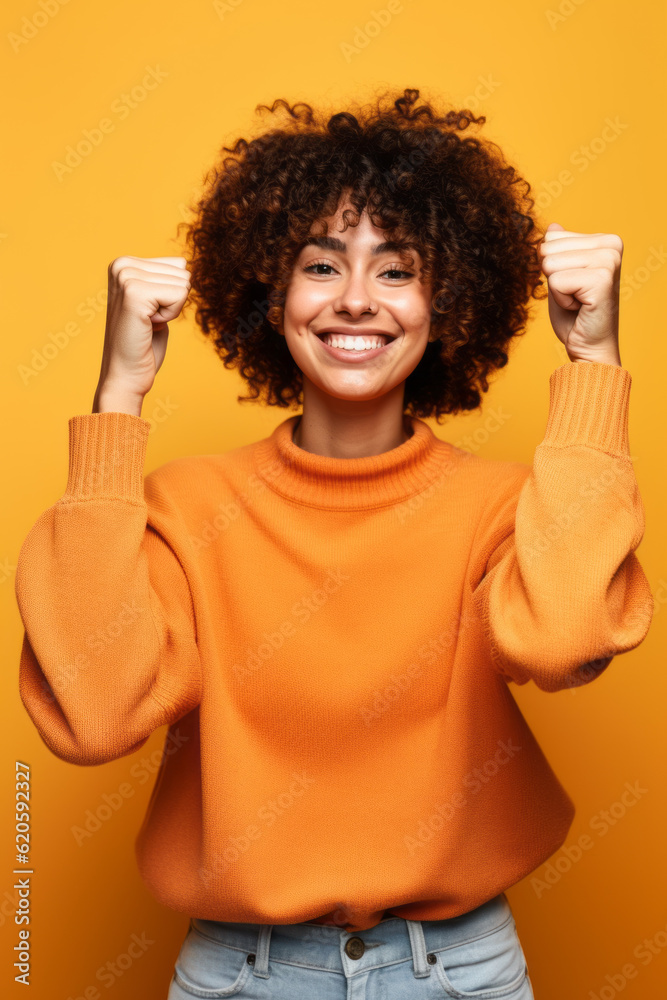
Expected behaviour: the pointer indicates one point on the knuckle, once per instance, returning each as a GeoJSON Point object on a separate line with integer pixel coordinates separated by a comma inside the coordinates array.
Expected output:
{"type": "Point", "coordinates": [116, 265]}
{"type": "Point", "coordinates": [131, 287]}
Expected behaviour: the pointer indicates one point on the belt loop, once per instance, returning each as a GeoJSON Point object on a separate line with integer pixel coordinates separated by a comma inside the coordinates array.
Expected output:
{"type": "Point", "coordinates": [261, 967]}
{"type": "Point", "coordinates": [418, 942]}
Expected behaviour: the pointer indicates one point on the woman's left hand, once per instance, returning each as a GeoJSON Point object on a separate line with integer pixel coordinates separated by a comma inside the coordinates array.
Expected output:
{"type": "Point", "coordinates": [583, 275]}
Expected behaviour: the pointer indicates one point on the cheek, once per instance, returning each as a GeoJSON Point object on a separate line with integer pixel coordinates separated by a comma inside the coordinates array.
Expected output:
{"type": "Point", "coordinates": [303, 302]}
{"type": "Point", "coordinates": [413, 310]}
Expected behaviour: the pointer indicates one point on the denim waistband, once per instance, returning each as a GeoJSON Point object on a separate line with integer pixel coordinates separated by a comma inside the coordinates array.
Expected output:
{"type": "Point", "coordinates": [323, 946]}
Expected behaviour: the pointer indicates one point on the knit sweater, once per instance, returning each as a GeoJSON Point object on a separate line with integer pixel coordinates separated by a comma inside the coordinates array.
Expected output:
{"type": "Point", "coordinates": [333, 643]}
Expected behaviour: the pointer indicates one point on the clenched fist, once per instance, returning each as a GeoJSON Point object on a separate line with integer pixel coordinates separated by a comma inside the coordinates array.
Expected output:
{"type": "Point", "coordinates": [145, 293]}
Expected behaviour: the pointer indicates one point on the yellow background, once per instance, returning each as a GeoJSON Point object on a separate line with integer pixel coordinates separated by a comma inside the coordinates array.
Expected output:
{"type": "Point", "coordinates": [547, 83]}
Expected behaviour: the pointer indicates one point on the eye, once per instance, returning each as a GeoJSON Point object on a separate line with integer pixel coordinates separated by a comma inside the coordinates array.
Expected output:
{"type": "Point", "coordinates": [320, 263]}
{"type": "Point", "coordinates": [398, 273]}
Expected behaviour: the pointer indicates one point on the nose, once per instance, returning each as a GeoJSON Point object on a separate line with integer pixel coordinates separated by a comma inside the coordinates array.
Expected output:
{"type": "Point", "coordinates": [355, 297]}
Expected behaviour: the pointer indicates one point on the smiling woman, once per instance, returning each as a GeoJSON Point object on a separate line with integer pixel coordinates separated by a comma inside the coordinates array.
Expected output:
{"type": "Point", "coordinates": [356, 323]}
{"type": "Point", "coordinates": [445, 257]}
{"type": "Point", "coordinates": [331, 616]}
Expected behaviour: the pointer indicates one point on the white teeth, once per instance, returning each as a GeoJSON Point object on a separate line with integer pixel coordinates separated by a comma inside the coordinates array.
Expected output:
{"type": "Point", "coordinates": [349, 343]}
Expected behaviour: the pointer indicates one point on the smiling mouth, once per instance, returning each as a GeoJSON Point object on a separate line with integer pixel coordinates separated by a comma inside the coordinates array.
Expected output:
{"type": "Point", "coordinates": [355, 342]}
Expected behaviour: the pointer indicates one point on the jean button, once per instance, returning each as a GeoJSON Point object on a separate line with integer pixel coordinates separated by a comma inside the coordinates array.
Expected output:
{"type": "Point", "coordinates": [355, 947]}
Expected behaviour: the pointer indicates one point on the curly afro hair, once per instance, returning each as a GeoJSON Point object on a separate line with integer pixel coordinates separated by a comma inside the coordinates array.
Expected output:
{"type": "Point", "coordinates": [467, 212]}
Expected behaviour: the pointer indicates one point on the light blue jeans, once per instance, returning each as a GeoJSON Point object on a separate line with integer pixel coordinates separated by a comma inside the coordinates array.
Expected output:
{"type": "Point", "coordinates": [477, 954]}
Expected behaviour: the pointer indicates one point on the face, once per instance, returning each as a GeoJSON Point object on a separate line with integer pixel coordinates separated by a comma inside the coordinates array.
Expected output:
{"type": "Point", "coordinates": [357, 315]}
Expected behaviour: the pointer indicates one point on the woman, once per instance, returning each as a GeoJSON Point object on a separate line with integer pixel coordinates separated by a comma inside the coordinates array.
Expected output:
{"type": "Point", "coordinates": [329, 619]}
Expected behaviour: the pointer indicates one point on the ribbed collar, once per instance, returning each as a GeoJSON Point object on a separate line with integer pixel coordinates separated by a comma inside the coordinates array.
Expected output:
{"type": "Point", "coordinates": [351, 483]}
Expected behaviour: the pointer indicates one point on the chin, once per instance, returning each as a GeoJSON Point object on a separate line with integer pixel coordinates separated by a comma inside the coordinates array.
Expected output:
{"type": "Point", "coordinates": [352, 393]}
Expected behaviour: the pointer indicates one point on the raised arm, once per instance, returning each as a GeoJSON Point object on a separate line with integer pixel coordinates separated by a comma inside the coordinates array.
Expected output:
{"type": "Point", "coordinates": [110, 646]}
{"type": "Point", "coordinates": [563, 591]}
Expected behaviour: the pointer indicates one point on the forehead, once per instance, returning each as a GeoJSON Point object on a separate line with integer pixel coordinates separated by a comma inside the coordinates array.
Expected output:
{"type": "Point", "coordinates": [338, 245]}
{"type": "Point", "coordinates": [364, 236]}
{"type": "Point", "coordinates": [338, 238]}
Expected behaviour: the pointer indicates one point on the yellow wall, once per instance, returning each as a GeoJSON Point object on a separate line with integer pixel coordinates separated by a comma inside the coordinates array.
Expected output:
{"type": "Point", "coordinates": [549, 83]}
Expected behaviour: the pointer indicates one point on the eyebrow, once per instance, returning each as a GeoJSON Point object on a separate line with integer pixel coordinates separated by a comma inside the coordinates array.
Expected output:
{"type": "Point", "coordinates": [333, 243]}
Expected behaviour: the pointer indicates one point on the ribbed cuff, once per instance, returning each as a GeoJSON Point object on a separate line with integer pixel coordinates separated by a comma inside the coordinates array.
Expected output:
{"type": "Point", "coordinates": [107, 452]}
{"type": "Point", "coordinates": [589, 405]}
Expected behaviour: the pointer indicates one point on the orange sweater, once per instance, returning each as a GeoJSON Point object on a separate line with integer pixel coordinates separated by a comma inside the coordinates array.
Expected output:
{"type": "Point", "coordinates": [332, 642]}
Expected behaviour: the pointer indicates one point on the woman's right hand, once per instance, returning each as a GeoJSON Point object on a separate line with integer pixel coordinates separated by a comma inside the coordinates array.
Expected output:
{"type": "Point", "coordinates": [145, 293]}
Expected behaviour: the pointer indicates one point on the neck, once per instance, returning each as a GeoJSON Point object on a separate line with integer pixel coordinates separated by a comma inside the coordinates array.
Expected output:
{"type": "Point", "coordinates": [343, 428]}
{"type": "Point", "coordinates": [364, 482]}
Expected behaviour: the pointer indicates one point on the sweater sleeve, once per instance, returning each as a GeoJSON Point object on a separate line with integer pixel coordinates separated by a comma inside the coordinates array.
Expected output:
{"type": "Point", "coordinates": [562, 591]}
{"type": "Point", "coordinates": [109, 649]}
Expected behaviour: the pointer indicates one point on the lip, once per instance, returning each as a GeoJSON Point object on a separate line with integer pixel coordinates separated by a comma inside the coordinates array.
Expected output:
{"type": "Point", "coordinates": [352, 357]}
